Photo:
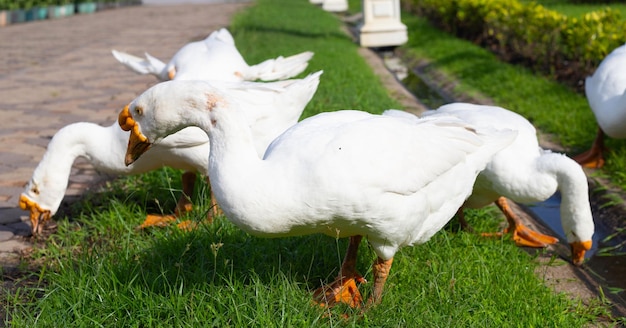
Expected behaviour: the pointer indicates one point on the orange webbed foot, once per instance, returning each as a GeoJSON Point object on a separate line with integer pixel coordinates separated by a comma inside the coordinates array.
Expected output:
{"type": "Point", "coordinates": [340, 291]}
{"type": "Point", "coordinates": [163, 220]}
{"type": "Point", "coordinates": [522, 235]}
{"type": "Point", "coordinates": [187, 225]}
{"type": "Point", "coordinates": [154, 220]}
{"type": "Point", "coordinates": [343, 289]}
{"type": "Point", "coordinates": [590, 159]}
{"type": "Point", "coordinates": [594, 157]}
{"type": "Point", "coordinates": [526, 237]}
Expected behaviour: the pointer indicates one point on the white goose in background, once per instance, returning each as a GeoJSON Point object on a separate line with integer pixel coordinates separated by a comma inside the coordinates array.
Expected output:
{"type": "Point", "coordinates": [215, 58]}
{"type": "Point", "coordinates": [272, 107]}
{"type": "Point", "coordinates": [525, 173]}
{"type": "Point", "coordinates": [606, 94]}
{"type": "Point", "coordinates": [343, 174]}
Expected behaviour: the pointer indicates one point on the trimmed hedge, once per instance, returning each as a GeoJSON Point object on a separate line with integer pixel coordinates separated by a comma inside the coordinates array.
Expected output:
{"type": "Point", "coordinates": [595, 1]}
{"type": "Point", "coordinates": [28, 4]}
{"type": "Point", "coordinates": [566, 48]}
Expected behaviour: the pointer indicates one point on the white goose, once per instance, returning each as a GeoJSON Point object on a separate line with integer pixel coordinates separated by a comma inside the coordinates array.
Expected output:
{"type": "Point", "coordinates": [343, 174]}
{"type": "Point", "coordinates": [606, 94]}
{"type": "Point", "coordinates": [271, 109]}
{"type": "Point", "coordinates": [215, 58]}
{"type": "Point", "coordinates": [104, 148]}
{"type": "Point", "coordinates": [525, 173]}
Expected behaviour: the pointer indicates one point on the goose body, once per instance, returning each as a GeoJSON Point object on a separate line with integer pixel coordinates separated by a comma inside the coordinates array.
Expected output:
{"type": "Point", "coordinates": [526, 173]}
{"type": "Point", "coordinates": [606, 94]}
{"type": "Point", "coordinates": [270, 110]}
{"type": "Point", "coordinates": [345, 173]}
{"type": "Point", "coordinates": [215, 58]}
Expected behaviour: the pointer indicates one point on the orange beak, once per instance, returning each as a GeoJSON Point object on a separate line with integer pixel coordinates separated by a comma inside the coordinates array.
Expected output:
{"type": "Point", "coordinates": [171, 73]}
{"type": "Point", "coordinates": [137, 142]}
{"type": "Point", "coordinates": [37, 215]}
{"type": "Point", "coordinates": [579, 248]}
{"type": "Point", "coordinates": [125, 120]}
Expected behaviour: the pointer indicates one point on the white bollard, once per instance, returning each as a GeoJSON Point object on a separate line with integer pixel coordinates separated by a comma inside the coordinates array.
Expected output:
{"type": "Point", "coordinates": [335, 5]}
{"type": "Point", "coordinates": [381, 24]}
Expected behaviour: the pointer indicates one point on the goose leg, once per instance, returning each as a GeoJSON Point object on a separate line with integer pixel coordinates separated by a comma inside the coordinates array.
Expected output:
{"type": "Point", "coordinates": [593, 158]}
{"type": "Point", "coordinates": [183, 206]}
{"type": "Point", "coordinates": [381, 270]}
{"type": "Point", "coordinates": [522, 235]}
{"type": "Point", "coordinates": [461, 216]}
{"type": "Point", "coordinates": [213, 212]}
{"type": "Point", "coordinates": [343, 289]}
{"type": "Point", "coordinates": [215, 209]}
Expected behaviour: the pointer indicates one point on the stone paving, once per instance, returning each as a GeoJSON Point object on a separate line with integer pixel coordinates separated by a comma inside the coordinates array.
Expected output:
{"type": "Point", "coordinates": [57, 72]}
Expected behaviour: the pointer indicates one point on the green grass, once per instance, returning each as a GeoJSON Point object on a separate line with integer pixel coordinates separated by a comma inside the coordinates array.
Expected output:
{"type": "Point", "coordinates": [98, 271]}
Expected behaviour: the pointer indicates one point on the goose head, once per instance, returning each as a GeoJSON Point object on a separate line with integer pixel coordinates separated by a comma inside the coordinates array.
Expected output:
{"type": "Point", "coordinates": [137, 142]}
{"type": "Point", "coordinates": [45, 190]}
{"type": "Point", "coordinates": [206, 60]}
{"type": "Point", "coordinates": [190, 56]}
{"type": "Point", "coordinates": [180, 102]}
{"type": "Point", "coordinates": [576, 215]}
{"type": "Point", "coordinates": [579, 248]}
{"type": "Point", "coordinates": [37, 203]}
{"type": "Point", "coordinates": [38, 215]}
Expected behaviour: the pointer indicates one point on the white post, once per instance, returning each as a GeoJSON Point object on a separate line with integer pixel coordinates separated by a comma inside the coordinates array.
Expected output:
{"type": "Point", "coordinates": [335, 5]}
{"type": "Point", "coordinates": [382, 26]}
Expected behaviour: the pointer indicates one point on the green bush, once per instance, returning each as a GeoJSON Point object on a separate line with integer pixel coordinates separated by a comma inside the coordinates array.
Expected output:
{"type": "Point", "coordinates": [17, 4]}
{"type": "Point", "coordinates": [595, 35]}
{"type": "Point", "coordinates": [27, 4]}
{"type": "Point", "coordinates": [566, 48]}
{"type": "Point", "coordinates": [595, 1]}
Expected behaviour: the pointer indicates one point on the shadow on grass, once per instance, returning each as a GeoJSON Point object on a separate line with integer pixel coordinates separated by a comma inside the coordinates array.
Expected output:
{"type": "Point", "coordinates": [142, 191]}
{"type": "Point", "coordinates": [218, 253]}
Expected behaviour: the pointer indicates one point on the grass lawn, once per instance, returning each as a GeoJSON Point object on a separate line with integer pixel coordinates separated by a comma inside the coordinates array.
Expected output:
{"type": "Point", "coordinates": [98, 271]}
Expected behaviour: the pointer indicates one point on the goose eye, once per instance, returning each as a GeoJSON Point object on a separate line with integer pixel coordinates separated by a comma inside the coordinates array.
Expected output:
{"type": "Point", "coordinates": [35, 190]}
{"type": "Point", "coordinates": [138, 110]}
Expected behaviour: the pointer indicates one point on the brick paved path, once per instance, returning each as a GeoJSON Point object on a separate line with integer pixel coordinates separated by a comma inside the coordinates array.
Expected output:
{"type": "Point", "coordinates": [57, 72]}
